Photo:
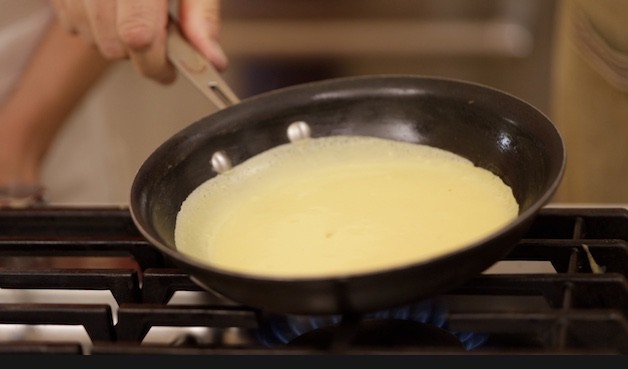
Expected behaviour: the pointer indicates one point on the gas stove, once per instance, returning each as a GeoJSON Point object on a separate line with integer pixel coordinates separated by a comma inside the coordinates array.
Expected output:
{"type": "Point", "coordinates": [83, 281]}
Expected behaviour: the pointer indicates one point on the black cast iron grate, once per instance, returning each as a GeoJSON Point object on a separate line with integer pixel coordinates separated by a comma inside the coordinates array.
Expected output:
{"type": "Point", "coordinates": [581, 308]}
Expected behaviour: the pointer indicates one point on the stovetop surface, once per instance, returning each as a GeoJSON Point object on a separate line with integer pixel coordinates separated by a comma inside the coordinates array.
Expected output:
{"type": "Point", "coordinates": [563, 289]}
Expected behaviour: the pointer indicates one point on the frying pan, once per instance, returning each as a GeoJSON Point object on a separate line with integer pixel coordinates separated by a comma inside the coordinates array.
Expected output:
{"type": "Point", "coordinates": [493, 129]}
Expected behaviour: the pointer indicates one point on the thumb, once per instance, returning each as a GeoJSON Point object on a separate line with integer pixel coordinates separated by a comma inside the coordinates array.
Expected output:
{"type": "Point", "coordinates": [200, 23]}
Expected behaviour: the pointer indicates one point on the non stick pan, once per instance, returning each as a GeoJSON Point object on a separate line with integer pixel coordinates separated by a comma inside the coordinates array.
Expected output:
{"type": "Point", "coordinates": [495, 130]}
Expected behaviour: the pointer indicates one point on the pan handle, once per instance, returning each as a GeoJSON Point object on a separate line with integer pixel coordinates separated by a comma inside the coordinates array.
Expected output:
{"type": "Point", "coordinates": [197, 69]}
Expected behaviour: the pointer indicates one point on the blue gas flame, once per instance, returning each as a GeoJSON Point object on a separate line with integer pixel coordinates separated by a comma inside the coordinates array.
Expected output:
{"type": "Point", "coordinates": [281, 329]}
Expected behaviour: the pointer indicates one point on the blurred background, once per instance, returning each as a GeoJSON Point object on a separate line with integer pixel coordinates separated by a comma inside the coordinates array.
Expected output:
{"type": "Point", "coordinates": [506, 44]}
{"type": "Point", "coordinates": [503, 43]}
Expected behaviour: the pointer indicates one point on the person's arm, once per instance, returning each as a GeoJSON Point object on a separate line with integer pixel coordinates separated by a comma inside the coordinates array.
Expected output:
{"type": "Point", "coordinates": [61, 71]}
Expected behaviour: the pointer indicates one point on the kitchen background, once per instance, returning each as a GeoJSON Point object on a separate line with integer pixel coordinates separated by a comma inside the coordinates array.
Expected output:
{"type": "Point", "coordinates": [506, 44]}
{"type": "Point", "coordinates": [503, 43]}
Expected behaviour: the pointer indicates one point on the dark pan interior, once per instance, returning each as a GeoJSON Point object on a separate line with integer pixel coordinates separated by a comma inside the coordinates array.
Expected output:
{"type": "Point", "coordinates": [493, 129]}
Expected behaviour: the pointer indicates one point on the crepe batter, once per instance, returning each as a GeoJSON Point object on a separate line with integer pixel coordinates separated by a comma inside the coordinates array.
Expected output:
{"type": "Point", "coordinates": [341, 205]}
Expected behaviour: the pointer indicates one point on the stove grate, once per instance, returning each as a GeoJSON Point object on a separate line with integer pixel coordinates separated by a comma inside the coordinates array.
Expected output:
{"type": "Point", "coordinates": [582, 307]}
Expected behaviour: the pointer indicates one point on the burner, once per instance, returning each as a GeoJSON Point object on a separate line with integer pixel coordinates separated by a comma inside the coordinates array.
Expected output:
{"type": "Point", "coordinates": [373, 333]}
{"type": "Point", "coordinates": [420, 324]}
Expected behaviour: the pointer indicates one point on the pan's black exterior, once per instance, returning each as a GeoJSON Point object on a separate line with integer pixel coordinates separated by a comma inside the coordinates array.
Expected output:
{"type": "Point", "coordinates": [495, 130]}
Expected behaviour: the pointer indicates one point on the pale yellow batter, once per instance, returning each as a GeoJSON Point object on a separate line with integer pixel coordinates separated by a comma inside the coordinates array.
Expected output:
{"type": "Point", "coordinates": [341, 205]}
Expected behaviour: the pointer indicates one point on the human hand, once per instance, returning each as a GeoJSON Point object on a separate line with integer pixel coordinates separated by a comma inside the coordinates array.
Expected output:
{"type": "Point", "coordinates": [137, 30]}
